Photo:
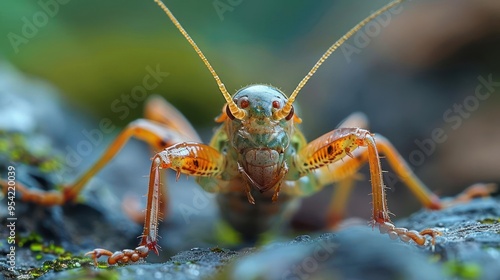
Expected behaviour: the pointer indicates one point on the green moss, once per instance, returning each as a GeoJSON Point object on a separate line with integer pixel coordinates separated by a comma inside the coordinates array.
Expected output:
{"type": "Point", "coordinates": [31, 239]}
{"type": "Point", "coordinates": [63, 260]}
{"type": "Point", "coordinates": [15, 147]}
{"type": "Point", "coordinates": [36, 244]}
{"type": "Point", "coordinates": [60, 264]}
{"type": "Point", "coordinates": [217, 250]}
{"type": "Point", "coordinates": [36, 247]}
{"type": "Point", "coordinates": [490, 221]}
{"type": "Point", "coordinates": [463, 270]}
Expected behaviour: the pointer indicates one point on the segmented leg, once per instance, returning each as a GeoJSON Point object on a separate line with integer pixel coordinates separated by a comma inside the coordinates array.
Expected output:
{"type": "Point", "coordinates": [346, 182]}
{"type": "Point", "coordinates": [188, 158]}
{"type": "Point", "coordinates": [40, 197]}
{"type": "Point", "coordinates": [164, 127]}
{"type": "Point", "coordinates": [344, 172]}
{"type": "Point", "coordinates": [123, 256]}
{"type": "Point", "coordinates": [349, 166]}
{"type": "Point", "coordinates": [153, 133]}
{"type": "Point", "coordinates": [342, 142]}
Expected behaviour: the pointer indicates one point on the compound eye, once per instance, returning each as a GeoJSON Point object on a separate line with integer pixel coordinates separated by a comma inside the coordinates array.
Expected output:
{"type": "Point", "coordinates": [276, 104]}
{"type": "Point", "coordinates": [243, 102]}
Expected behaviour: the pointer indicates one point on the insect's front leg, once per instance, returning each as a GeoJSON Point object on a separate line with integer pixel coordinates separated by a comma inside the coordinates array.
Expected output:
{"type": "Point", "coordinates": [188, 158]}
{"type": "Point", "coordinates": [340, 143]}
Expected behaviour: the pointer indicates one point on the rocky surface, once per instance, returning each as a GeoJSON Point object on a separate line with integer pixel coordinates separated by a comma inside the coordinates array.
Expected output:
{"type": "Point", "coordinates": [468, 249]}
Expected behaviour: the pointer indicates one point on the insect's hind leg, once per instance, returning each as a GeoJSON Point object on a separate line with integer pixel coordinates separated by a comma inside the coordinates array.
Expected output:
{"type": "Point", "coordinates": [142, 129]}
{"type": "Point", "coordinates": [348, 167]}
{"type": "Point", "coordinates": [345, 170]}
{"type": "Point", "coordinates": [187, 157]}
{"type": "Point", "coordinates": [340, 144]}
{"type": "Point", "coordinates": [417, 187]}
{"type": "Point", "coordinates": [164, 127]}
{"type": "Point", "coordinates": [345, 179]}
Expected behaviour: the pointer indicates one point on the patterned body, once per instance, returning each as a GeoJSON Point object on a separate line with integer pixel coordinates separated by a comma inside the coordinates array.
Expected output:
{"type": "Point", "coordinates": [260, 161]}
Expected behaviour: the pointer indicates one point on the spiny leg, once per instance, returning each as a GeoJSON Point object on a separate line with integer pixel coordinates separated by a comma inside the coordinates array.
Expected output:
{"type": "Point", "coordinates": [344, 186]}
{"type": "Point", "coordinates": [164, 126]}
{"type": "Point", "coordinates": [337, 145]}
{"type": "Point", "coordinates": [158, 135]}
{"type": "Point", "coordinates": [344, 171]}
{"type": "Point", "coordinates": [349, 166]}
{"type": "Point", "coordinates": [188, 158]}
{"type": "Point", "coordinates": [159, 110]}
{"type": "Point", "coordinates": [418, 188]}
{"type": "Point", "coordinates": [153, 133]}
{"type": "Point", "coordinates": [150, 132]}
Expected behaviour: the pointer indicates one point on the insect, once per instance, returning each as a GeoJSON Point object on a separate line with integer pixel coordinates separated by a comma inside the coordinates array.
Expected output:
{"type": "Point", "coordinates": [257, 159]}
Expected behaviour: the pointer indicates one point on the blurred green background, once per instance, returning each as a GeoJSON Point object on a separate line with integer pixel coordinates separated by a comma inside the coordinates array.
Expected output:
{"type": "Point", "coordinates": [404, 77]}
{"type": "Point", "coordinates": [95, 51]}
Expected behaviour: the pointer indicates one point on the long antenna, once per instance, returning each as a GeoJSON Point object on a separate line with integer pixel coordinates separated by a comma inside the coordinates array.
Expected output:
{"type": "Point", "coordinates": [235, 110]}
{"type": "Point", "coordinates": [283, 112]}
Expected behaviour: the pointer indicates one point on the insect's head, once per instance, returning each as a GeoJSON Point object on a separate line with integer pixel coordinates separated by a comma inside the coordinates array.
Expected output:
{"type": "Point", "coordinates": [258, 129]}
{"type": "Point", "coordinates": [259, 103]}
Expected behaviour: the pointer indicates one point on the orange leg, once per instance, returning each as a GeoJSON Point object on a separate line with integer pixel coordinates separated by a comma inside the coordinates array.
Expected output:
{"type": "Point", "coordinates": [188, 158]}
{"type": "Point", "coordinates": [349, 166]}
{"type": "Point", "coordinates": [153, 133]}
{"type": "Point", "coordinates": [344, 172]}
{"type": "Point", "coordinates": [345, 177]}
{"type": "Point", "coordinates": [342, 142]}
{"type": "Point", "coordinates": [164, 127]}
{"type": "Point", "coordinates": [44, 198]}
